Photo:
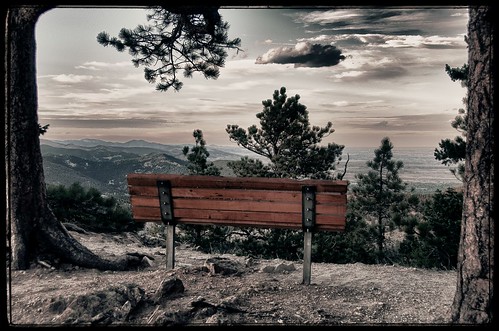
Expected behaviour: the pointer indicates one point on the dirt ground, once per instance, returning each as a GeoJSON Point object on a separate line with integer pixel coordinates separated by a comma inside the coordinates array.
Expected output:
{"type": "Point", "coordinates": [259, 294]}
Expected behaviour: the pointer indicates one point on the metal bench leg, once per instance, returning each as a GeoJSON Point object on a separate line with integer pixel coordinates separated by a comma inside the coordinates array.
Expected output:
{"type": "Point", "coordinates": [170, 246]}
{"type": "Point", "coordinates": [307, 256]}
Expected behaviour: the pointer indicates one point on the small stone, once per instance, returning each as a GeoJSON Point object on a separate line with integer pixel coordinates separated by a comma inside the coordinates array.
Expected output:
{"type": "Point", "coordinates": [282, 267]}
{"type": "Point", "coordinates": [268, 269]}
{"type": "Point", "coordinates": [146, 262]}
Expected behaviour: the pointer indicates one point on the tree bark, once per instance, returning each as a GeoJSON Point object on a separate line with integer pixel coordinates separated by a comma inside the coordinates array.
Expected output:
{"type": "Point", "coordinates": [473, 301]}
{"type": "Point", "coordinates": [32, 228]}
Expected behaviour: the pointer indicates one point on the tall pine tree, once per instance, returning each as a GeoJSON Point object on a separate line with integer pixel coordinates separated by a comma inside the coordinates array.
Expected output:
{"type": "Point", "coordinates": [378, 193]}
{"type": "Point", "coordinates": [287, 140]}
{"type": "Point", "coordinates": [198, 157]}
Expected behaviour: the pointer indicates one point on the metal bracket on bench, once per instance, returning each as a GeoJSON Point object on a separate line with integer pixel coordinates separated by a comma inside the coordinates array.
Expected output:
{"type": "Point", "coordinates": [308, 207]}
{"type": "Point", "coordinates": [166, 201]}
{"type": "Point", "coordinates": [308, 222]}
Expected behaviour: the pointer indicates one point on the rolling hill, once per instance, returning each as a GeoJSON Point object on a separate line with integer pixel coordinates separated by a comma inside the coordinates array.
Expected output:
{"type": "Point", "coordinates": [104, 165]}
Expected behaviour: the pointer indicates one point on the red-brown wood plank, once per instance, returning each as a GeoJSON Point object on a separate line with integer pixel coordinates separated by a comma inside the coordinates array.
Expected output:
{"type": "Point", "coordinates": [330, 198]}
{"type": "Point", "coordinates": [220, 193]}
{"type": "Point", "coordinates": [153, 201]}
{"type": "Point", "coordinates": [234, 217]}
{"type": "Point", "coordinates": [280, 184]}
{"type": "Point", "coordinates": [333, 226]}
{"type": "Point", "coordinates": [146, 212]}
{"type": "Point", "coordinates": [209, 205]}
{"type": "Point", "coordinates": [237, 194]}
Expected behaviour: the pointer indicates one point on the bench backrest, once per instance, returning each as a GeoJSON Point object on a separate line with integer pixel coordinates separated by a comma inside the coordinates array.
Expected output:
{"type": "Point", "coordinates": [236, 201]}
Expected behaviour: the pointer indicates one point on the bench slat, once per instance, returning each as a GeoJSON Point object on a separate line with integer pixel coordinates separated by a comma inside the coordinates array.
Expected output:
{"type": "Point", "coordinates": [238, 218]}
{"type": "Point", "coordinates": [266, 206]}
{"type": "Point", "coordinates": [256, 195]}
{"type": "Point", "coordinates": [154, 214]}
{"type": "Point", "coordinates": [233, 194]}
{"type": "Point", "coordinates": [279, 184]}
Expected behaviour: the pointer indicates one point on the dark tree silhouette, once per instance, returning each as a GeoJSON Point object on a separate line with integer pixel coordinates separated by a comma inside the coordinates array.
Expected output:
{"type": "Point", "coordinates": [184, 38]}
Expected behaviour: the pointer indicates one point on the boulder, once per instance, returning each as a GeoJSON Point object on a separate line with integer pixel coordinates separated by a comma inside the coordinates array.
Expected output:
{"type": "Point", "coordinates": [223, 266]}
{"type": "Point", "coordinates": [168, 288]}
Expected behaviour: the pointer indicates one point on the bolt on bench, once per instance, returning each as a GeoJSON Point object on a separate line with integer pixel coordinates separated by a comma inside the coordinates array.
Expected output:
{"type": "Point", "coordinates": [310, 205]}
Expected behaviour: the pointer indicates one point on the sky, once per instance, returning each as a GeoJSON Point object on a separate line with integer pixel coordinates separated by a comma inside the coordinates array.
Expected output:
{"type": "Point", "coordinates": [373, 72]}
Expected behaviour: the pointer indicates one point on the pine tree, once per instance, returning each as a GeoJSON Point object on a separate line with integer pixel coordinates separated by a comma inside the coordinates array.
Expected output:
{"type": "Point", "coordinates": [287, 140]}
{"type": "Point", "coordinates": [454, 151]}
{"type": "Point", "coordinates": [188, 38]}
{"type": "Point", "coordinates": [198, 157]}
{"type": "Point", "coordinates": [378, 193]}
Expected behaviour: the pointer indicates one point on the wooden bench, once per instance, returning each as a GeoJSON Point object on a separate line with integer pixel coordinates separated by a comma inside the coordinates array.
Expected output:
{"type": "Point", "coordinates": [308, 205]}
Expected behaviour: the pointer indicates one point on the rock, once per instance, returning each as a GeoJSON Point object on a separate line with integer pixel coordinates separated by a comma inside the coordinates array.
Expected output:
{"type": "Point", "coordinates": [58, 305]}
{"type": "Point", "coordinates": [104, 307]}
{"type": "Point", "coordinates": [223, 266]}
{"type": "Point", "coordinates": [146, 262]}
{"type": "Point", "coordinates": [125, 309]}
{"type": "Point", "coordinates": [249, 262]}
{"type": "Point", "coordinates": [280, 268]}
{"type": "Point", "coordinates": [216, 319]}
{"type": "Point", "coordinates": [201, 302]}
{"type": "Point", "coordinates": [230, 300]}
{"type": "Point", "coordinates": [168, 288]}
{"type": "Point", "coordinates": [268, 269]}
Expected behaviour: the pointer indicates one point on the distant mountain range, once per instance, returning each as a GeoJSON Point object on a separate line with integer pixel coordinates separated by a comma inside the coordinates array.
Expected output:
{"type": "Point", "coordinates": [105, 165]}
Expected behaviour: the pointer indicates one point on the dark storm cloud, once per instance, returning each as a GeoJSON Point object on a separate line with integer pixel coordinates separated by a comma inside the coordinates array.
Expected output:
{"type": "Point", "coordinates": [393, 21]}
{"type": "Point", "coordinates": [304, 54]}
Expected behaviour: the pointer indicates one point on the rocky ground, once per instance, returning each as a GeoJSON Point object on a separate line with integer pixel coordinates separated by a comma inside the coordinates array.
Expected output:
{"type": "Point", "coordinates": [225, 289]}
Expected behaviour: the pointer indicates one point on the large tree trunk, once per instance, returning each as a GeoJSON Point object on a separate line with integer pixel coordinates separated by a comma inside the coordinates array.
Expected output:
{"type": "Point", "coordinates": [32, 228]}
{"type": "Point", "coordinates": [473, 301]}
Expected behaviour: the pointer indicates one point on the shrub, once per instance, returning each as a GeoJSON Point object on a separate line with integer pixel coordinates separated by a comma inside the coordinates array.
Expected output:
{"type": "Point", "coordinates": [89, 209]}
{"type": "Point", "coordinates": [433, 241]}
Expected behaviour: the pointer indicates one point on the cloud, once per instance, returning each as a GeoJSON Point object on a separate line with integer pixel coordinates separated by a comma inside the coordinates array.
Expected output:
{"type": "Point", "coordinates": [98, 65]}
{"type": "Point", "coordinates": [401, 123]}
{"type": "Point", "coordinates": [361, 41]}
{"type": "Point", "coordinates": [398, 21]}
{"type": "Point", "coordinates": [63, 78]}
{"type": "Point", "coordinates": [372, 72]}
{"type": "Point", "coordinates": [303, 54]}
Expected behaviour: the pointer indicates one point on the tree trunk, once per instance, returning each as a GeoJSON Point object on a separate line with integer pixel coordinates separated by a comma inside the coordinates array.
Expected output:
{"type": "Point", "coordinates": [32, 229]}
{"type": "Point", "coordinates": [473, 301]}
